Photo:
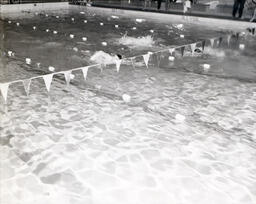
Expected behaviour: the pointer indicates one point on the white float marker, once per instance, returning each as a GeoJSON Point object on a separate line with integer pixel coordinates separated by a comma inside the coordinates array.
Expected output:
{"type": "Point", "coordinates": [171, 58]}
{"type": "Point", "coordinates": [85, 21]}
{"type": "Point", "coordinates": [46, 15]}
{"type": "Point", "coordinates": [140, 20]}
{"type": "Point", "coordinates": [82, 12]}
{"type": "Point", "coordinates": [26, 84]}
{"type": "Point", "coordinates": [182, 36]}
{"type": "Point", "coordinates": [4, 90]}
{"type": "Point", "coordinates": [57, 16]}
{"type": "Point", "coordinates": [48, 80]}
{"type": "Point", "coordinates": [51, 68]}
{"type": "Point", "coordinates": [84, 38]}
{"type": "Point", "coordinates": [206, 67]}
{"type": "Point", "coordinates": [9, 22]}
{"type": "Point", "coordinates": [241, 46]}
{"type": "Point", "coordinates": [115, 17]}
{"type": "Point", "coordinates": [75, 49]}
{"type": "Point", "coordinates": [28, 61]}
{"type": "Point", "coordinates": [34, 27]}
{"type": "Point", "coordinates": [18, 24]}
{"type": "Point", "coordinates": [72, 19]}
{"type": "Point", "coordinates": [101, 24]}
{"type": "Point", "coordinates": [9, 53]}
{"type": "Point", "coordinates": [47, 30]}
{"type": "Point", "coordinates": [85, 71]}
{"type": "Point", "coordinates": [71, 36]}
{"type": "Point", "coordinates": [152, 31]}
{"type": "Point", "coordinates": [116, 26]}
{"type": "Point", "coordinates": [104, 43]}
{"type": "Point", "coordinates": [55, 32]}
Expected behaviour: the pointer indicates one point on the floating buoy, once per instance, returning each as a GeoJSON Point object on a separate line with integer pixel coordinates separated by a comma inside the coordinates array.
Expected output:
{"type": "Point", "coordinates": [10, 53]}
{"type": "Point", "coordinates": [18, 24]}
{"type": "Point", "coordinates": [115, 17]}
{"type": "Point", "coordinates": [55, 32]}
{"type": "Point", "coordinates": [51, 69]}
{"type": "Point", "coordinates": [9, 22]}
{"type": "Point", "coordinates": [82, 12]}
{"type": "Point", "coordinates": [206, 67]}
{"type": "Point", "coordinates": [104, 43]}
{"type": "Point", "coordinates": [46, 15]}
{"type": "Point", "coordinates": [134, 28]}
{"type": "Point", "coordinates": [101, 24]}
{"type": "Point", "coordinates": [182, 36]}
{"type": "Point", "coordinates": [47, 30]}
{"type": "Point", "coordinates": [126, 98]}
{"type": "Point", "coordinates": [71, 36]}
{"type": "Point", "coordinates": [241, 46]}
{"type": "Point", "coordinates": [75, 49]}
{"type": "Point", "coordinates": [171, 58]}
{"type": "Point", "coordinates": [116, 26]}
{"type": "Point", "coordinates": [152, 31]}
{"type": "Point", "coordinates": [72, 19]}
{"type": "Point", "coordinates": [85, 21]}
{"type": "Point", "coordinates": [84, 38]}
{"type": "Point", "coordinates": [140, 20]}
{"type": "Point", "coordinates": [34, 27]}
{"type": "Point", "coordinates": [180, 118]}
{"type": "Point", "coordinates": [57, 16]}
{"type": "Point", "coordinates": [28, 61]}
{"type": "Point", "coordinates": [179, 26]}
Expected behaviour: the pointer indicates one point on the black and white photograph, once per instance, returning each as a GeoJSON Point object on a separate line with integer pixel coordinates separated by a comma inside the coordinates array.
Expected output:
{"type": "Point", "coordinates": [127, 102]}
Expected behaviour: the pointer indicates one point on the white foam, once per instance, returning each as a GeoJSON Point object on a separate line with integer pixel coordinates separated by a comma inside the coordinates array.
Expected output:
{"type": "Point", "coordinates": [146, 41]}
{"type": "Point", "coordinates": [102, 57]}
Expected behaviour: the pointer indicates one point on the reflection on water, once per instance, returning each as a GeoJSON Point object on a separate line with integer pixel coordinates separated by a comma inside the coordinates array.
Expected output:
{"type": "Point", "coordinates": [83, 144]}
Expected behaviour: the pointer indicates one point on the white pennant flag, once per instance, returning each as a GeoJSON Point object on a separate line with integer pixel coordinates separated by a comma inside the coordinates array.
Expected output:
{"type": "Point", "coordinates": [212, 41]}
{"type": "Point", "coordinates": [85, 71]}
{"type": "Point", "coordinates": [26, 84]}
{"type": "Point", "coordinates": [228, 39]}
{"type": "Point", "coordinates": [146, 58]}
{"type": "Point", "coordinates": [67, 76]}
{"type": "Point", "coordinates": [118, 63]}
{"type": "Point", "coordinates": [193, 47]}
{"type": "Point", "coordinates": [4, 90]}
{"type": "Point", "coordinates": [171, 50]}
{"type": "Point", "coordinates": [48, 80]}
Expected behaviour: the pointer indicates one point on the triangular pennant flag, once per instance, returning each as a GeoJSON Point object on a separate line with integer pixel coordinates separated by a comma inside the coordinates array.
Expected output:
{"type": "Point", "coordinates": [182, 50]}
{"type": "Point", "coordinates": [85, 71]}
{"type": "Point", "coordinates": [193, 47]}
{"type": "Point", "coordinates": [4, 90]}
{"type": "Point", "coordinates": [132, 61]}
{"type": "Point", "coordinates": [67, 76]}
{"type": "Point", "coordinates": [26, 84]}
{"type": "Point", "coordinates": [203, 44]}
{"type": "Point", "coordinates": [118, 63]}
{"type": "Point", "coordinates": [212, 41]}
{"type": "Point", "coordinates": [48, 80]}
{"type": "Point", "coordinates": [146, 58]}
{"type": "Point", "coordinates": [172, 50]}
{"type": "Point", "coordinates": [229, 38]}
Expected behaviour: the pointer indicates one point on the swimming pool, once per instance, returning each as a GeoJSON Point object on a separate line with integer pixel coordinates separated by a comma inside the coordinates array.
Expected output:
{"type": "Point", "coordinates": [186, 136]}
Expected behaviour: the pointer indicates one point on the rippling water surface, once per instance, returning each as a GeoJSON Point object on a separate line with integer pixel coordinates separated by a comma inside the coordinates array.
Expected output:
{"type": "Point", "coordinates": [187, 136]}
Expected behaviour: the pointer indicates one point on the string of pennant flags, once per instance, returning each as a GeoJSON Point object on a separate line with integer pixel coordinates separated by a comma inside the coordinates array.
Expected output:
{"type": "Point", "coordinates": [4, 87]}
{"type": "Point", "coordinates": [47, 78]}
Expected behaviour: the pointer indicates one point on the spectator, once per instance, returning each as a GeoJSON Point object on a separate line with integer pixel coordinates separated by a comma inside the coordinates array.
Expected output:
{"type": "Point", "coordinates": [238, 5]}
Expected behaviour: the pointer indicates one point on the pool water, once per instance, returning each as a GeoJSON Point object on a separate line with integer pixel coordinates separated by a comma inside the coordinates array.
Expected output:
{"type": "Point", "coordinates": [187, 135]}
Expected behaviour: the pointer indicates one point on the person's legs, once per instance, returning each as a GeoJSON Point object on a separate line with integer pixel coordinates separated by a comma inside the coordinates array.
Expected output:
{"type": "Point", "coordinates": [241, 7]}
{"type": "Point", "coordinates": [159, 4]}
{"type": "Point", "coordinates": [235, 7]}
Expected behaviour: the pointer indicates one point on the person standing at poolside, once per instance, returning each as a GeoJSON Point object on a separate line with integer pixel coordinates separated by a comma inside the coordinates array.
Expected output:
{"type": "Point", "coordinates": [147, 3]}
{"type": "Point", "coordinates": [238, 4]}
{"type": "Point", "coordinates": [159, 2]}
